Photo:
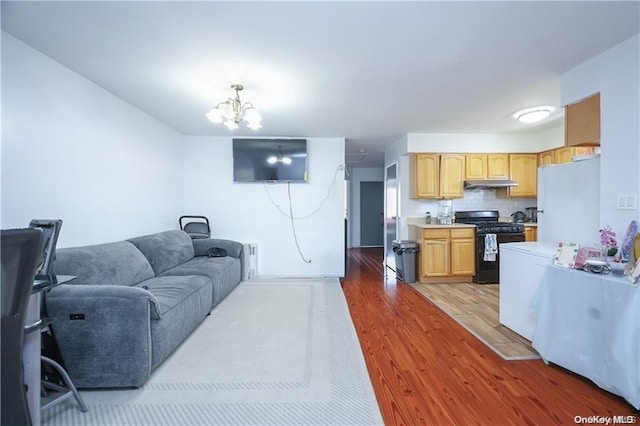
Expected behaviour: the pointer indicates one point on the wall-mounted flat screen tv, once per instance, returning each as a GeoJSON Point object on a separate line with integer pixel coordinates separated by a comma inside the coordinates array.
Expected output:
{"type": "Point", "coordinates": [269, 160]}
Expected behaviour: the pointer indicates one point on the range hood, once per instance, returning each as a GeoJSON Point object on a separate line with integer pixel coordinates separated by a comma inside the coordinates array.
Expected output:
{"type": "Point", "coordinates": [489, 183]}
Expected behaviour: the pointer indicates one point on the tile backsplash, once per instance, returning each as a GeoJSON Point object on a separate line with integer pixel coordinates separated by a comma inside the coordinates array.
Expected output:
{"type": "Point", "coordinates": [476, 199]}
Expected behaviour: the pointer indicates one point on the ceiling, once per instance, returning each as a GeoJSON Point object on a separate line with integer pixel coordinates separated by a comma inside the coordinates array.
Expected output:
{"type": "Point", "coordinates": [367, 71]}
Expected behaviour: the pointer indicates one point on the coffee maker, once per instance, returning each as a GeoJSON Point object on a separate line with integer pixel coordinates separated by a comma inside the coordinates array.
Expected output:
{"type": "Point", "coordinates": [531, 214]}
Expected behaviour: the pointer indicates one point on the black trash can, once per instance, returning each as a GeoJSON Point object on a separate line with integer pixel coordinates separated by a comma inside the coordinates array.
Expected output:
{"type": "Point", "coordinates": [405, 251]}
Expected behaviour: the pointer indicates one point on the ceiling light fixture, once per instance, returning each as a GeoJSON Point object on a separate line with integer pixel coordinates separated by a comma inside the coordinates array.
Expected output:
{"type": "Point", "coordinates": [233, 112]}
{"type": "Point", "coordinates": [533, 115]}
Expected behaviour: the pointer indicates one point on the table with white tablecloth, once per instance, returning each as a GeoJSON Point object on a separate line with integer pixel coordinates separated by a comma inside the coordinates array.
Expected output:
{"type": "Point", "coordinates": [590, 324]}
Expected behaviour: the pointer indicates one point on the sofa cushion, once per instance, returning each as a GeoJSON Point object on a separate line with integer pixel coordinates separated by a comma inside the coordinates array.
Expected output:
{"type": "Point", "coordinates": [165, 250]}
{"type": "Point", "coordinates": [184, 302]}
{"type": "Point", "coordinates": [224, 272]}
{"type": "Point", "coordinates": [119, 263]}
{"type": "Point", "coordinates": [170, 291]}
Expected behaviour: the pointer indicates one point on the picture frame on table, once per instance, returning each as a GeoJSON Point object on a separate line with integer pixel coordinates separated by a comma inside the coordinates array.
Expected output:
{"type": "Point", "coordinates": [566, 254]}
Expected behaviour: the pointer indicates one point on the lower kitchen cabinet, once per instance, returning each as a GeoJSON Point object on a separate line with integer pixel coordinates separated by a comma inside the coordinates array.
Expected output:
{"type": "Point", "coordinates": [530, 233]}
{"type": "Point", "coordinates": [447, 254]}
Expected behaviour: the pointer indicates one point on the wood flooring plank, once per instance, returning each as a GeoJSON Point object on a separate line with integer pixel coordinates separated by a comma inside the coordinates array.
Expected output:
{"type": "Point", "coordinates": [427, 369]}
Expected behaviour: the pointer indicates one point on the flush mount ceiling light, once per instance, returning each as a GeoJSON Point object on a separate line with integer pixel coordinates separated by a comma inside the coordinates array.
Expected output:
{"type": "Point", "coordinates": [232, 112]}
{"type": "Point", "coordinates": [533, 115]}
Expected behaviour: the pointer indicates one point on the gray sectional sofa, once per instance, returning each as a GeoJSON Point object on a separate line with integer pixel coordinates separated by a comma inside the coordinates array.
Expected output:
{"type": "Point", "coordinates": [134, 302]}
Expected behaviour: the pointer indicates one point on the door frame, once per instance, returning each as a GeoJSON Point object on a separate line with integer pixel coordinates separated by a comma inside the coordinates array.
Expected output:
{"type": "Point", "coordinates": [388, 258]}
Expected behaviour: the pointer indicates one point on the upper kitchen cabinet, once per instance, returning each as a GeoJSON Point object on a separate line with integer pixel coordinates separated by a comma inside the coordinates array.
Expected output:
{"type": "Point", "coordinates": [563, 155]}
{"type": "Point", "coordinates": [451, 175]}
{"type": "Point", "coordinates": [486, 166]}
{"type": "Point", "coordinates": [546, 157]}
{"type": "Point", "coordinates": [475, 166]}
{"type": "Point", "coordinates": [498, 166]}
{"type": "Point", "coordinates": [425, 173]}
{"type": "Point", "coordinates": [582, 122]}
{"type": "Point", "coordinates": [437, 175]}
{"type": "Point", "coordinates": [523, 168]}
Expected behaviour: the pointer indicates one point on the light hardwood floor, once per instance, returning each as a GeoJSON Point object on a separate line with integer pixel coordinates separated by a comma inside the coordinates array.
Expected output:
{"type": "Point", "coordinates": [476, 308]}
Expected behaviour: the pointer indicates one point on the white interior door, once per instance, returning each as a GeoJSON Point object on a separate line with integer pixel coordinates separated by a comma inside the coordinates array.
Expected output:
{"type": "Point", "coordinates": [390, 214]}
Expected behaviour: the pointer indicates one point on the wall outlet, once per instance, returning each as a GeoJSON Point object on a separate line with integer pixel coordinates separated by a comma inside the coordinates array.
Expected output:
{"type": "Point", "coordinates": [627, 201]}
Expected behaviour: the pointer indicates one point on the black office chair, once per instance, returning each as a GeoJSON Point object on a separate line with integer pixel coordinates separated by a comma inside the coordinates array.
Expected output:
{"type": "Point", "coordinates": [196, 229]}
{"type": "Point", "coordinates": [54, 375]}
{"type": "Point", "coordinates": [20, 256]}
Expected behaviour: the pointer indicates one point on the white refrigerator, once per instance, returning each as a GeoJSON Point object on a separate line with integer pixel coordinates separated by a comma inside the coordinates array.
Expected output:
{"type": "Point", "coordinates": [569, 202]}
{"type": "Point", "coordinates": [568, 210]}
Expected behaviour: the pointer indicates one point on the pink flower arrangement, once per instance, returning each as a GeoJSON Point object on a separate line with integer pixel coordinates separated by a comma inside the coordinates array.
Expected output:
{"type": "Point", "coordinates": [608, 240]}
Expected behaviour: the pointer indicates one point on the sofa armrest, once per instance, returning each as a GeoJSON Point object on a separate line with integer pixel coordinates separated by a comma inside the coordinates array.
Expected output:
{"type": "Point", "coordinates": [104, 333]}
{"type": "Point", "coordinates": [233, 248]}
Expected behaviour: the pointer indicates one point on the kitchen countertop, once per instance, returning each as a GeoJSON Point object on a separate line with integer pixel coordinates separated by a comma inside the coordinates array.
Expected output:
{"type": "Point", "coordinates": [534, 224]}
{"type": "Point", "coordinates": [438, 226]}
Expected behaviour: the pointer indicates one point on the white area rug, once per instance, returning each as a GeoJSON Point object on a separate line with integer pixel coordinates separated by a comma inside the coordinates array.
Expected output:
{"type": "Point", "coordinates": [274, 352]}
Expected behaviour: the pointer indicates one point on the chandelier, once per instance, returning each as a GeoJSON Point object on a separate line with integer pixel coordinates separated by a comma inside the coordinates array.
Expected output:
{"type": "Point", "coordinates": [233, 112]}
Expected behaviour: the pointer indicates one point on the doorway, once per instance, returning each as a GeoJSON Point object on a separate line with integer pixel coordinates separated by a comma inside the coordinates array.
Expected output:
{"type": "Point", "coordinates": [391, 215]}
{"type": "Point", "coordinates": [371, 214]}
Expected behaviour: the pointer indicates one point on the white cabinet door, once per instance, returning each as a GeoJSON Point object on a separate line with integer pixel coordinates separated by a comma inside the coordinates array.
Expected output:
{"type": "Point", "coordinates": [520, 276]}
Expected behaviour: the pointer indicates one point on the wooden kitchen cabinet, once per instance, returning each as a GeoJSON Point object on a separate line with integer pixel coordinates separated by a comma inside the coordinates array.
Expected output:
{"type": "Point", "coordinates": [463, 252]}
{"type": "Point", "coordinates": [523, 168]}
{"type": "Point", "coordinates": [451, 175]}
{"type": "Point", "coordinates": [563, 155]}
{"type": "Point", "coordinates": [446, 254]}
{"type": "Point", "coordinates": [546, 158]}
{"type": "Point", "coordinates": [475, 166]}
{"type": "Point", "coordinates": [437, 175]}
{"type": "Point", "coordinates": [530, 233]}
{"type": "Point", "coordinates": [435, 258]}
{"type": "Point", "coordinates": [585, 150]}
{"type": "Point", "coordinates": [487, 166]}
{"type": "Point", "coordinates": [425, 172]}
{"type": "Point", "coordinates": [582, 122]}
{"type": "Point", "coordinates": [498, 166]}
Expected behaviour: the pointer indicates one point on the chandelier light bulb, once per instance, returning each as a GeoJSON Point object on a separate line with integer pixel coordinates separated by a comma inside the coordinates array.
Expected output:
{"type": "Point", "coordinates": [286, 160]}
{"type": "Point", "coordinates": [231, 125]}
{"type": "Point", "coordinates": [252, 115]}
{"type": "Point", "coordinates": [272, 160]}
{"type": "Point", "coordinates": [233, 111]}
{"type": "Point", "coordinates": [215, 115]}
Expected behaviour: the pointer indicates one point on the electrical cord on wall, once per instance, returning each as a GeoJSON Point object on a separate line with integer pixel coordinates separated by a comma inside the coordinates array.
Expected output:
{"type": "Point", "coordinates": [290, 213]}
{"type": "Point", "coordinates": [293, 226]}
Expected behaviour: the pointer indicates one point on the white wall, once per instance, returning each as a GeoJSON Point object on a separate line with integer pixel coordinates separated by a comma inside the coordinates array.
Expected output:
{"type": "Point", "coordinates": [616, 75]}
{"type": "Point", "coordinates": [551, 138]}
{"type": "Point", "coordinates": [357, 176]}
{"type": "Point", "coordinates": [477, 142]}
{"type": "Point", "coordinates": [244, 211]}
{"type": "Point", "coordinates": [73, 151]}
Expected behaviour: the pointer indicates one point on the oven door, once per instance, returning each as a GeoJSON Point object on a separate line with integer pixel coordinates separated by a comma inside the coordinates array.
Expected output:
{"type": "Point", "coordinates": [487, 271]}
